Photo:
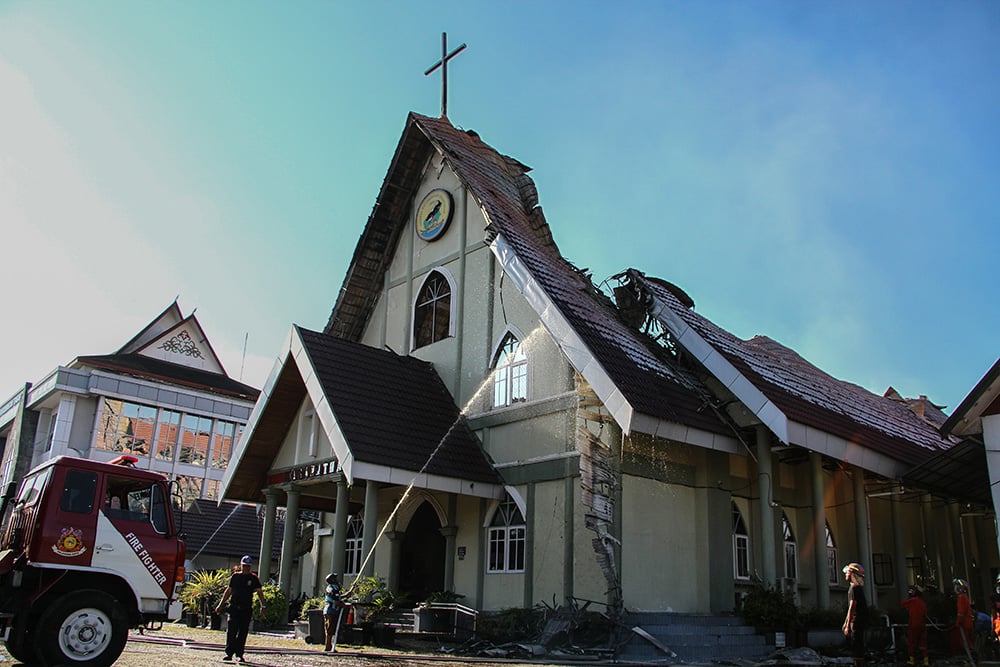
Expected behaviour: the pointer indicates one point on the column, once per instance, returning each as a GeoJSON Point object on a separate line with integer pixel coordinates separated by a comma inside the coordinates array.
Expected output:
{"type": "Point", "coordinates": [370, 528]}
{"type": "Point", "coordinates": [898, 550]}
{"type": "Point", "coordinates": [340, 529]}
{"type": "Point", "coordinates": [861, 530]}
{"type": "Point", "coordinates": [529, 548]}
{"type": "Point", "coordinates": [395, 538]}
{"type": "Point", "coordinates": [765, 483]}
{"type": "Point", "coordinates": [267, 534]}
{"type": "Point", "coordinates": [288, 541]}
{"type": "Point", "coordinates": [822, 577]}
{"type": "Point", "coordinates": [450, 532]}
{"type": "Point", "coordinates": [570, 486]}
{"type": "Point", "coordinates": [931, 554]}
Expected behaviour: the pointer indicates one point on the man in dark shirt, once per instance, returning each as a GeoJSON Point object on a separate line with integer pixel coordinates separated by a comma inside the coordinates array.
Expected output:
{"type": "Point", "coordinates": [242, 586]}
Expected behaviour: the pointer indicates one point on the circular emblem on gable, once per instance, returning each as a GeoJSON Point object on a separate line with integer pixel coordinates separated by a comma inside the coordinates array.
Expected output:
{"type": "Point", "coordinates": [433, 215]}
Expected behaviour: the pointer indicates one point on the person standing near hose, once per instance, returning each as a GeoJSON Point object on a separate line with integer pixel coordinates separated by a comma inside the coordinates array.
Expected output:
{"type": "Point", "coordinates": [963, 612]}
{"type": "Point", "coordinates": [856, 620]}
{"type": "Point", "coordinates": [241, 588]}
{"type": "Point", "coordinates": [332, 608]}
{"type": "Point", "coordinates": [917, 624]}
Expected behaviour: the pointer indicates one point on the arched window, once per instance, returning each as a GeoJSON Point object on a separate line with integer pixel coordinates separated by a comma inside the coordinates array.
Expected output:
{"type": "Point", "coordinates": [510, 372]}
{"type": "Point", "coordinates": [432, 311]}
{"type": "Point", "coordinates": [506, 538]}
{"type": "Point", "coordinates": [741, 546]}
{"type": "Point", "coordinates": [355, 532]}
{"type": "Point", "coordinates": [791, 555]}
{"type": "Point", "coordinates": [832, 573]}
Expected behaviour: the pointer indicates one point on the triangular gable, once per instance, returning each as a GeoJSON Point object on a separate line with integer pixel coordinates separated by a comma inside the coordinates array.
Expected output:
{"type": "Point", "coordinates": [983, 400]}
{"type": "Point", "coordinates": [168, 319]}
{"type": "Point", "coordinates": [643, 390]}
{"type": "Point", "coordinates": [185, 344]}
{"type": "Point", "coordinates": [388, 419]}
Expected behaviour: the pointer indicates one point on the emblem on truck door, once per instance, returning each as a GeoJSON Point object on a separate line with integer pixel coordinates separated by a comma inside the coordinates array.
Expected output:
{"type": "Point", "coordinates": [70, 543]}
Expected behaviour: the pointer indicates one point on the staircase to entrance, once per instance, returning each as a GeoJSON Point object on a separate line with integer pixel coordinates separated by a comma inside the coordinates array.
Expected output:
{"type": "Point", "coordinates": [692, 637]}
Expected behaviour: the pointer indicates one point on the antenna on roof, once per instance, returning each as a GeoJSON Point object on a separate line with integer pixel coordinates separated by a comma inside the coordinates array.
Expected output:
{"type": "Point", "coordinates": [443, 64]}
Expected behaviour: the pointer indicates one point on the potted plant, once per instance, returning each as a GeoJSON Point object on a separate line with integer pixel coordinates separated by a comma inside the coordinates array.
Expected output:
{"type": "Point", "coordinates": [202, 593]}
{"type": "Point", "coordinates": [770, 610]}
{"type": "Point", "coordinates": [373, 601]}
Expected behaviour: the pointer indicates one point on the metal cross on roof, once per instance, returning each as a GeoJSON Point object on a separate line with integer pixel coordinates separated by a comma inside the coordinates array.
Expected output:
{"type": "Point", "coordinates": [443, 64]}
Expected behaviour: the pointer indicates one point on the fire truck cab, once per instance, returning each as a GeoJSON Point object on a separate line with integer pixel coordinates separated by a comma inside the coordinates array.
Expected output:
{"type": "Point", "coordinates": [88, 551]}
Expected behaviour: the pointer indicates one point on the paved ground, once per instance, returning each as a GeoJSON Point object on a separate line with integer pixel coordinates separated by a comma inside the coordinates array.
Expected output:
{"type": "Point", "coordinates": [181, 646]}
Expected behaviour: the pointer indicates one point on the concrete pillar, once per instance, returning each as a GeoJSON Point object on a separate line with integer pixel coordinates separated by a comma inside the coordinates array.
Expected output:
{"type": "Point", "coordinates": [991, 440]}
{"type": "Point", "coordinates": [395, 538]}
{"type": "Point", "coordinates": [370, 528]}
{"type": "Point", "coordinates": [898, 549]}
{"type": "Point", "coordinates": [819, 530]}
{"type": "Point", "coordinates": [570, 485]}
{"type": "Point", "coordinates": [931, 554]}
{"type": "Point", "coordinates": [862, 531]}
{"type": "Point", "coordinates": [766, 504]}
{"type": "Point", "coordinates": [450, 532]}
{"type": "Point", "coordinates": [267, 534]}
{"type": "Point", "coordinates": [288, 541]}
{"type": "Point", "coordinates": [340, 529]}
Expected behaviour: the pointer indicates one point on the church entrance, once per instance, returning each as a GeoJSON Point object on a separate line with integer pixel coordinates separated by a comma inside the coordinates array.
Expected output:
{"type": "Point", "coordinates": [421, 563]}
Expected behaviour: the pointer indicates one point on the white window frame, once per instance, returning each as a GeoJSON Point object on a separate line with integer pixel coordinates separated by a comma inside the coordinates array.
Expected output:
{"type": "Point", "coordinates": [741, 546]}
{"type": "Point", "coordinates": [832, 573]}
{"type": "Point", "coordinates": [508, 541]}
{"type": "Point", "coordinates": [791, 549]}
{"type": "Point", "coordinates": [511, 372]}
{"type": "Point", "coordinates": [452, 305]}
{"type": "Point", "coordinates": [354, 544]}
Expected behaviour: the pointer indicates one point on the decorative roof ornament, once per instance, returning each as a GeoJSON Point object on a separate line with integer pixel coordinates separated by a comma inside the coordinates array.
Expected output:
{"type": "Point", "coordinates": [443, 64]}
{"type": "Point", "coordinates": [182, 343]}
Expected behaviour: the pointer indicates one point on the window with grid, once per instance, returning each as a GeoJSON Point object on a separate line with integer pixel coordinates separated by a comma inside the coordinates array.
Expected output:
{"type": "Point", "coordinates": [741, 546]}
{"type": "Point", "coordinates": [195, 435]}
{"type": "Point", "coordinates": [883, 572]}
{"type": "Point", "coordinates": [355, 533]}
{"type": "Point", "coordinates": [506, 538]}
{"type": "Point", "coordinates": [222, 443]}
{"type": "Point", "coordinates": [432, 311]}
{"type": "Point", "coordinates": [791, 550]}
{"type": "Point", "coordinates": [832, 572]}
{"type": "Point", "coordinates": [167, 431]}
{"type": "Point", "coordinates": [510, 372]}
{"type": "Point", "coordinates": [125, 427]}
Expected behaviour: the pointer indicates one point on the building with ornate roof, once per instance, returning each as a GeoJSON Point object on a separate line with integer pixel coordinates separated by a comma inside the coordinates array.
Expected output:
{"type": "Point", "coordinates": [479, 417]}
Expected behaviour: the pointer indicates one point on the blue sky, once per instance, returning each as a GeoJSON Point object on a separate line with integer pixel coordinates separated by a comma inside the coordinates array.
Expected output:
{"type": "Point", "coordinates": [824, 173]}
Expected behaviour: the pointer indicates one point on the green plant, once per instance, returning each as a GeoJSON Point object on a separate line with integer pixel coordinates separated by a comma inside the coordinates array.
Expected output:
{"type": "Point", "coordinates": [203, 592]}
{"type": "Point", "coordinates": [767, 607]}
{"type": "Point", "coordinates": [443, 596]}
{"type": "Point", "coordinates": [311, 603]}
{"type": "Point", "coordinates": [373, 595]}
{"type": "Point", "coordinates": [276, 605]}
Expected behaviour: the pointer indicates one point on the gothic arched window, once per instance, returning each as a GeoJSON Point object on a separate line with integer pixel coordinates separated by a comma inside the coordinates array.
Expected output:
{"type": "Point", "coordinates": [741, 546]}
{"type": "Point", "coordinates": [791, 555]}
{"type": "Point", "coordinates": [510, 372]}
{"type": "Point", "coordinates": [506, 538]}
{"type": "Point", "coordinates": [832, 573]}
{"type": "Point", "coordinates": [355, 533]}
{"type": "Point", "coordinates": [432, 311]}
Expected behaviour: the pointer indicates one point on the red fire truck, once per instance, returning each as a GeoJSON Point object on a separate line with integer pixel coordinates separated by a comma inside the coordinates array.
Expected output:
{"type": "Point", "coordinates": [89, 551]}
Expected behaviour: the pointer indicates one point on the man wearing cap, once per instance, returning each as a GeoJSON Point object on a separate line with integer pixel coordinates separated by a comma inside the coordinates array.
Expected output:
{"type": "Point", "coordinates": [242, 586]}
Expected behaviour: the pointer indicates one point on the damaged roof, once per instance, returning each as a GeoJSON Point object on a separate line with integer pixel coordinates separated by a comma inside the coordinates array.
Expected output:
{"type": "Point", "coordinates": [905, 430]}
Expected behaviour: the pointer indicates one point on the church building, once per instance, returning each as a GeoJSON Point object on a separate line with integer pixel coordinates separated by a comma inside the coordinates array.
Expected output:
{"type": "Point", "coordinates": [478, 416]}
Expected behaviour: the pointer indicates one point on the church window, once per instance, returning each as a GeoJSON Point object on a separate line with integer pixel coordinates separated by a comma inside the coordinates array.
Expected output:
{"type": "Point", "coordinates": [832, 573]}
{"type": "Point", "coordinates": [355, 533]}
{"type": "Point", "coordinates": [510, 372]}
{"type": "Point", "coordinates": [882, 569]}
{"type": "Point", "coordinates": [432, 311]}
{"type": "Point", "coordinates": [791, 555]}
{"type": "Point", "coordinates": [507, 538]}
{"type": "Point", "coordinates": [741, 546]}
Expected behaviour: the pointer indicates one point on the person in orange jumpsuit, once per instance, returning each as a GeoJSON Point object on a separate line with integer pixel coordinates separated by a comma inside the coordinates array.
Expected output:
{"type": "Point", "coordinates": [917, 624]}
{"type": "Point", "coordinates": [963, 616]}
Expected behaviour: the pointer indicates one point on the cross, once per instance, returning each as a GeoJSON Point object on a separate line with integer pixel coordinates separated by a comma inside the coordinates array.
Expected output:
{"type": "Point", "coordinates": [443, 64]}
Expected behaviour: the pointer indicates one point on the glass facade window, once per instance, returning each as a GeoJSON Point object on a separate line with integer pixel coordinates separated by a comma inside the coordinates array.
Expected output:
{"type": "Point", "coordinates": [510, 373]}
{"type": "Point", "coordinates": [195, 435]}
{"type": "Point", "coordinates": [432, 311]}
{"type": "Point", "coordinates": [167, 431]}
{"type": "Point", "coordinates": [189, 488]}
{"type": "Point", "coordinates": [506, 538]}
{"type": "Point", "coordinates": [222, 443]}
{"type": "Point", "coordinates": [126, 427]}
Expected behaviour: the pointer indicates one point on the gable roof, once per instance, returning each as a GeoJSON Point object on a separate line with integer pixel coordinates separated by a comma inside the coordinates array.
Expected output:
{"type": "Point", "coordinates": [388, 417]}
{"type": "Point", "coordinates": [226, 529]}
{"type": "Point", "coordinates": [628, 372]}
{"type": "Point", "coordinates": [177, 345]}
{"type": "Point", "coordinates": [984, 399]}
{"type": "Point", "coordinates": [795, 388]}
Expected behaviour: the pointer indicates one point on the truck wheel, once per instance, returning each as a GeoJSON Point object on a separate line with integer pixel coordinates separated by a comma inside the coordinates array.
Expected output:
{"type": "Point", "coordinates": [85, 628]}
{"type": "Point", "coordinates": [18, 644]}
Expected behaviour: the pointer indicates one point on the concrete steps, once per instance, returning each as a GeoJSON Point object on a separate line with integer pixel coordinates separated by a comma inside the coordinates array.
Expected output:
{"type": "Point", "coordinates": [693, 637]}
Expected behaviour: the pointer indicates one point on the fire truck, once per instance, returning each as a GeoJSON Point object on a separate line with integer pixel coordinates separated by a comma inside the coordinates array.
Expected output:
{"type": "Point", "coordinates": [88, 551]}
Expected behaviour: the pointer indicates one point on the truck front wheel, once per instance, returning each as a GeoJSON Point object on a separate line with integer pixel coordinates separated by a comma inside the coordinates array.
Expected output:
{"type": "Point", "coordinates": [85, 628]}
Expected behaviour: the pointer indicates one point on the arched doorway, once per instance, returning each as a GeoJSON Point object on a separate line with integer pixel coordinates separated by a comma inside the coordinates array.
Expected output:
{"type": "Point", "coordinates": [421, 563]}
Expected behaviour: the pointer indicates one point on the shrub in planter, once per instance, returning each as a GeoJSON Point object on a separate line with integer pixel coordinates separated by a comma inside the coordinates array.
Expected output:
{"type": "Point", "coordinates": [202, 593]}
{"type": "Point", "coordinates": [276, 606]}
{"type": "Point", "coordinates": [311, 603]}
{"type": "Point", "coordinates": [767, 607]}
